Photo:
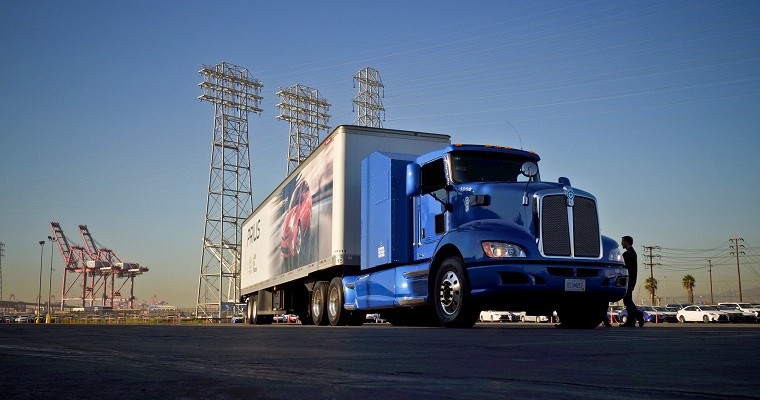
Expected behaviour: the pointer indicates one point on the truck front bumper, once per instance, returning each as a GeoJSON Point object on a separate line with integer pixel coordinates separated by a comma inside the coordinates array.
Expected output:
{"type": "Point", "coordinates": [520, 285]}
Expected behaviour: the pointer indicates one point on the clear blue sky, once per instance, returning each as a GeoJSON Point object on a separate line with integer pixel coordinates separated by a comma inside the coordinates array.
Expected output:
{"type": "Point", "coordinates": [652, 106]}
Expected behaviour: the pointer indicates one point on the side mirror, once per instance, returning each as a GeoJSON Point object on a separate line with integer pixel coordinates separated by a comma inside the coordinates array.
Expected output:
{"type": "Point", "coordinates": [529, 169]}
{"type": "Point", "coordinates": [412, 179]}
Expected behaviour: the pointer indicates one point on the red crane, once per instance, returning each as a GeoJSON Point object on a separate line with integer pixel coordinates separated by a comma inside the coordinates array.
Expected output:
{"type": "Point", "coordinates": [75, 261]}
{"type": "Point", "coordinates": [111, 266]}
{"type": "Point", "coordinates": [95, 268]}
{"type": "Point", "coordinates": [103, 264]}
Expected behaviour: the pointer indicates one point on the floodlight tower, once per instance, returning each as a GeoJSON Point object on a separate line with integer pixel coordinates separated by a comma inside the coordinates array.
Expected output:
{"type": "Point", "coordinates": [368, 102]}
{"type": "Point", "coordinates": [235, 94]}
{"type": "Point", "coordinates": [306, 112]}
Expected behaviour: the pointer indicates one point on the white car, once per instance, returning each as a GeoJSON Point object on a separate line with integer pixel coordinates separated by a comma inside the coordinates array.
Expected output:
{"type": "Point", "coordinates": [524, 317]}
{"type": "Point", "coordinates": [743, 307]}
{"type": "Point", "coordinates": [701, 314]}
{"type": "Point", "coordinates": [497, 316]}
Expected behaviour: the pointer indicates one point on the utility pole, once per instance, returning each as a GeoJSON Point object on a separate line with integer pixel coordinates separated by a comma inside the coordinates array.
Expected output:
{"type": "Point", "coordinates": [709, 264]}
{"type": "Point", "coordinates": [651, 265]}
{"type": "Point", "coordinates": [737, 247]}
{"type": "Point", "coordinates": [2, 253]}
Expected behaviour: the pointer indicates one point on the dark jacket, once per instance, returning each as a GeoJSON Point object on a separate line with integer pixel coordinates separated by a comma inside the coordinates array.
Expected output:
{"type": "Point", "coordinates": [632, 264]}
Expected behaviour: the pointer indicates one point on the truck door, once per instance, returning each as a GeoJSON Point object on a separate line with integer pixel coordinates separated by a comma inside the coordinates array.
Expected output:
{"type": "Point", "coordinates": [431, 213]}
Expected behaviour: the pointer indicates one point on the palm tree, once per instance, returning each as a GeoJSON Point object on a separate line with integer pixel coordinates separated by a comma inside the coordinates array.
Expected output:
{"type": "Point", "coordinates": [651, 286]}
{"type": "Point", "coordinates": [688, 284]}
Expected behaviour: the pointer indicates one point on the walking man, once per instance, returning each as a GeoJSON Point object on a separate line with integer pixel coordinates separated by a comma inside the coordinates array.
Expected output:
{"type": "Point", "coordinates": [631, 263]}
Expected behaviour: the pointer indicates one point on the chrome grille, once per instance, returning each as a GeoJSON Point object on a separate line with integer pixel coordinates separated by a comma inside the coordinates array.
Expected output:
{"type": "Point", "coordinates": [569, 231]}
{"type": "Point", "coordinates": [554, 222]}
{"type": "Point", "coordinates": [585, 228]}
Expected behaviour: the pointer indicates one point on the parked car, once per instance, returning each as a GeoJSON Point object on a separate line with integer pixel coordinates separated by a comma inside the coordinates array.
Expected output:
{"type": "Point", "coordinates": [737, 315]}
{"type": "Point", "coordinates": [696, 313]}
{"type": "Point", "coordinates": [671, 314]}
{"type": "Point", "coordinates": [375, 318]}
{"type": "Point", "coordinates": [237, 319]}
{"type": "Point", "coordinates": [744, 307]}
{"type": "Point", "coordinates": [286, 318]}
{"type": "Point", "coordinates": [678, 306]}
{"type": "Point", "coordinates": [651, 314]}
{"type": "Point", "coordinates": [497, 316]}
{"type": "Point", "coordinates": [613, 314]}
{"type": "Point", "coordinates": [525, 317]}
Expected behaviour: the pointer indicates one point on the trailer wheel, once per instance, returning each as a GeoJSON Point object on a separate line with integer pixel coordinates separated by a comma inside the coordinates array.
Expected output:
{"type": "Point", "coordinates": [452, 299]}
{"type": "Point", "coordinates": [335, 312]}
{"type": "Point", "coordinates": [252, 312]}
{"type": "Point", "coordinates": [319, 303]}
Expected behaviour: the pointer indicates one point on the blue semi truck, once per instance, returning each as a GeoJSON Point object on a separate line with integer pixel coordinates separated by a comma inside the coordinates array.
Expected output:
{"type": "Point", "coordinates": [425, 232]}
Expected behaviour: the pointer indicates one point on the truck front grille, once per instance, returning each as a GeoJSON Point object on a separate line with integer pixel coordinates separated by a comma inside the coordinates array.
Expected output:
{"type": "Point", "coordinates": [561, 237]}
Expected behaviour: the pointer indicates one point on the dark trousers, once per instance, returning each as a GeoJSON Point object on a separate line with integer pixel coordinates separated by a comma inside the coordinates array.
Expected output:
{"type": "Point", "coordinates": [630, 308]}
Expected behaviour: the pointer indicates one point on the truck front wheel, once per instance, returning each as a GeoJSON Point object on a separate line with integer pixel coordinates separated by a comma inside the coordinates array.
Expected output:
{"type": "Point", "coordinates": [319, 303]}
{"type": "Point", "coordinates": [451, 295]}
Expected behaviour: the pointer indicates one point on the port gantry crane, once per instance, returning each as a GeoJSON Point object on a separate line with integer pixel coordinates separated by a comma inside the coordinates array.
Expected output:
{"type": "Point", "coordinates": [97, 267]}
{"type": "Point", "coordinates": [113, 266]}
{"type": "Point", "coordinates": [74, 258]}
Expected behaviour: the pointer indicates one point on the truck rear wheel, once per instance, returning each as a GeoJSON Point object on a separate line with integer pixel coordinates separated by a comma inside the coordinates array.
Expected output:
{"type": "Point", "coordinates": [319, 303]}
{"type": "Point", "coordinates": [335, 312]}
{"type": "Point", "coordinates": [451, 295]}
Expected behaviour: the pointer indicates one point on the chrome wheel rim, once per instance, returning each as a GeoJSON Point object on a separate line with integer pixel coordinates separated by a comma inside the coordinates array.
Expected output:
{"type": "Point", "coordinates": [332, 303]}
{"type": "Point", "coordinates": [316, 306]}
{"type": "Point", "coordinates": [450, 293]}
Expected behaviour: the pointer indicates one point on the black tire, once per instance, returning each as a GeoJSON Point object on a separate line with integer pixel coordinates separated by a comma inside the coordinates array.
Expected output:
{"type": "Point", "coordinates": [336, 314]}
{"type": "Point", "coordinates": [706, 319]}
{"type": "Point", "coordinates": [681, 319]}
{"type": "Point", "coordinates": [452, 299]}
{"type": "Point", "coordinates": [252, 313]}
{"type": "Point", "coordinates": [624, 319]}
{"type": "Point", "coordinates": [319, 303]}
{"type": "Point", "coordinates": [254, 318]}
{"type": "Point", "coordinates": [583, 314]}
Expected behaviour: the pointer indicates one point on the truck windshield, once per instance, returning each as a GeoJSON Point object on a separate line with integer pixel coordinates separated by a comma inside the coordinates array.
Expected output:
{"type": "Point", "coordinates": [487, 167]}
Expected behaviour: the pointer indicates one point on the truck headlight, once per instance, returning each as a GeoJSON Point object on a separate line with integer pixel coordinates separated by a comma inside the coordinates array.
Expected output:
{"type": "Point", "coordinates": [502, 250]}
{"type": "Point", "coordinates": [616, 255]}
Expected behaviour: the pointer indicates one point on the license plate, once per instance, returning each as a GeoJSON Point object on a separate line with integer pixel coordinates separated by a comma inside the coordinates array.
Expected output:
{"type": "Point", "coordinates": [575, 285]}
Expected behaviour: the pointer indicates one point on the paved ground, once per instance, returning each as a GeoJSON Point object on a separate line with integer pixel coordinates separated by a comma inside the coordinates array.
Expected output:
{"type": "Point", "coordinates": [537, 361]}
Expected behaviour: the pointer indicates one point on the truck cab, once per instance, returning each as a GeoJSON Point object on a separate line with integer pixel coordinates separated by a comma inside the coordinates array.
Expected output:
{"type": "Point", "coordinates": [487, 233]}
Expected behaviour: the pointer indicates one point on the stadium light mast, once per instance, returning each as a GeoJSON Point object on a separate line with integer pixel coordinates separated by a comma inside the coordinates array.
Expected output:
{"type": "Point", "coordinates": [368, 101]}
{"type": "Point", "coordinates": [235, 94]}
{"type": "Point", "coordinates": [306, 112]}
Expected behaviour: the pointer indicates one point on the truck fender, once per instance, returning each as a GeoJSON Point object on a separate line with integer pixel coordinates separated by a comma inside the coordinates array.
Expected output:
{"type": "Point", "coordinates": [467, 240]}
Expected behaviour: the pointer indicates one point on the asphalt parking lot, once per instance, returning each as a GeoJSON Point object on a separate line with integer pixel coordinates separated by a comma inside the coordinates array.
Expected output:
{"type": "Point", "coordinates": [492, 360]}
